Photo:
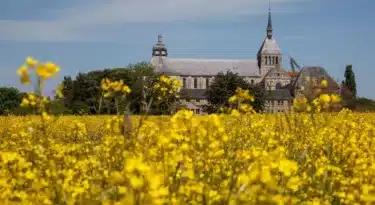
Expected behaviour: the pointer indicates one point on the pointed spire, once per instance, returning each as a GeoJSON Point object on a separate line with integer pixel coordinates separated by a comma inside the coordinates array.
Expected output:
{"type": "Point", "coordinates": [269, 26]}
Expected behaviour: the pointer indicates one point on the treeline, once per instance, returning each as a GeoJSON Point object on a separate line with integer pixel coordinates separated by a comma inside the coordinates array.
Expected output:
{"type": "Point", "coordinates": [83, 94]}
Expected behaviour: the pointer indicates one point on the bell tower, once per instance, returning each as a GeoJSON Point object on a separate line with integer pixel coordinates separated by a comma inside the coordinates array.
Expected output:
{"type": "Point", "coordinates": [159, 48]}
{"type": "Point", "coordinates": [269, 55]}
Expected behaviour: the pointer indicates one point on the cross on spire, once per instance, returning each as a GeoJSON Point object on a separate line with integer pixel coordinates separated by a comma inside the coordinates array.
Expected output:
{"type": "Point", "coordinates": [269, 5]}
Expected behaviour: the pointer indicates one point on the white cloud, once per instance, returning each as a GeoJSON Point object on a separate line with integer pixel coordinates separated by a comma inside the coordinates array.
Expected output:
{"type": "Point", "coordinates": [38, 30]}
{"type": "Point", "coordinates": [75, 23]}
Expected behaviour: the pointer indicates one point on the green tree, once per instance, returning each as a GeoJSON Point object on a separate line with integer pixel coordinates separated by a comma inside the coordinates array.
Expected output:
{"type": "Point", "coordinates": [68, 91]}
{"type": "Point", "coordinates": [10, 98]}
{"type": "Point", "coordinates": [165, 105]}
{"type": "Point", "coordinates": [349, 88]}
{"type": "Point", "coordinates": [224, 86]}
{"type": "Point", "coordinates": [141, 79]}
{"type": "Point", "coordinates": [259, 93]}
{"type": "Point", "coordinates": [349, 81]}
{"type": "Point", "coordinates": [79, 107]}
{"type": "Point", "coordinates": [85, 89]}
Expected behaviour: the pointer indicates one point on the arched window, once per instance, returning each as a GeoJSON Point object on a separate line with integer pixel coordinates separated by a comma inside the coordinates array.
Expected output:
{"type": "Point", "coordinates": [269, 60]}
{"type": "Point", "coordinates": [252, 81]}
{"type": "Point", "coordinates": [207, 83]}
{"type": "Point", "coordinates": [195, 82]}
{"type": "Point", "coordinates": [266, 60]}
{"type": "Point", "coordinates": [184, 82]}
{"type": "Point", "coordinates": [277, 60]}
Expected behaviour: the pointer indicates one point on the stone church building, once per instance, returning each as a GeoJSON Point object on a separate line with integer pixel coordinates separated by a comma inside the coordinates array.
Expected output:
{"type": "Point", "coordinates": [197, 74]}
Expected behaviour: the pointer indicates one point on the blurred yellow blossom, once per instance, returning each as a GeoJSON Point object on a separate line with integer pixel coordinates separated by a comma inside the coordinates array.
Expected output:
{"type": "Point", "coordinates": [111, 88]}
{"type": "Point", "coordinates": [31, 62]}
{"type": "Point", "coordinates": [24, 75]}
{"type": "Point", "coordinates": [59, 90]}
{"type": "Point", "coordinates": [298, 158]}
{"type": "Point", "coordinates": [167, 86]}
{"type": "Point", "coordinates": [323, 84]}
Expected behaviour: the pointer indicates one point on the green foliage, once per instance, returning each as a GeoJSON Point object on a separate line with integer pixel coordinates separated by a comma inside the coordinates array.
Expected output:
{"type": "Point", "coordinates": [20, 111]}
{"type": "Point", "coordinates": [349, 88]}
{"type": "Point", "coordinates": [68, 85]}
{"type": "Point", "coordinates": [224, 86]}
{"type": "Point", "coordinates": [349, 81]}
{"type": "Point", "coordinates": [85, 92]}
{"type": "Point", "coordinates": [85, 89]}
{"type": "Point", "coordinates": [10, 98]}
{"type": "Point", "coordinates": [259, 94]}
{"type": "Point", "coordinates": [79, 107]}
{"type": "Point", "coordinates": [57, 107]}
{"type": "Point", "coordinates": [141, 79]}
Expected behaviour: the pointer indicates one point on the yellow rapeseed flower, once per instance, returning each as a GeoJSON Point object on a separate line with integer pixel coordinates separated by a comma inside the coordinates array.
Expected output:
{"type": "Point", "coordinates": [298, 158]}
{"type": "Point", "coordinates": [24, 75]}
{"type": "Point", "coordinates": [42, 71]}
{"type": "Point", "coordinates": [59, 90]}
{"type": "Point", "coordinates": [335, 98]}
{"type": "Point", "coordinates": [46, 116]}
{"type": "Point", "coordinates": [25, 102]}
{"type": "Point", "coordinates": [323, 84]}
{"type": "Point", "coordinates": [325, 98]}
{"type": "Point", "coordinates": [287, 167]}
{"type": "Point", "coordinates": [31, 62]}
{"type": "Point", "coordinates": [233, 99]}
{"type": "Point", "coordinates": [294, 183]}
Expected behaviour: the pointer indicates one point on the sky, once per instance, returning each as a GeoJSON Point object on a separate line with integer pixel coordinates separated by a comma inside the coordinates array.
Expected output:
{"type": "Point", "coordinates": [85, 35]}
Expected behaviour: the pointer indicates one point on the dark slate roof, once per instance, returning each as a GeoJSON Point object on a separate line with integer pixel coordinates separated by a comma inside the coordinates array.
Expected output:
{"type": "Point", "coordinates": [269, 46]}
{"type": "Point", "coordinates": [206, 67]}
{"type": "Point", "coordinates": [282, 94]}
{"type": "Point", "coordinates": [276, 70]}
{"type": "Point", "coordinates": [193, 94]}
{"type": "Point", "coordinates": [318, 73]}
{"type": "Point", "coordinates": [160, 45]}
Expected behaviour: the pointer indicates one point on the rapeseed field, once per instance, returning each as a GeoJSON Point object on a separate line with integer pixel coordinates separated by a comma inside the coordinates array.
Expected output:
{"type": "Point", "coordinates": [238, 157]}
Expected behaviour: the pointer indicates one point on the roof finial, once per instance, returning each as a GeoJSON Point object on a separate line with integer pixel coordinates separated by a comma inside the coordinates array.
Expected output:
{"type": "Point", "coordinates": [160, 38]}
{"type": "Point", "coordinates": [269, 6]}
{"type": "Point", "coordinates": [269, 26]}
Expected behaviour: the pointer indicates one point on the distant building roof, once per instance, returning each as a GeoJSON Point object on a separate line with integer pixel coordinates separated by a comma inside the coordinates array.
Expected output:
{"type": "Point", "coordinates": [277, 72]}
{"type": "Point", "coordinates": [317, 72]}
{"type": "Point", "coordinates": [206, 67]}
{"type": "Point", "coordinates": [281, 94]}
